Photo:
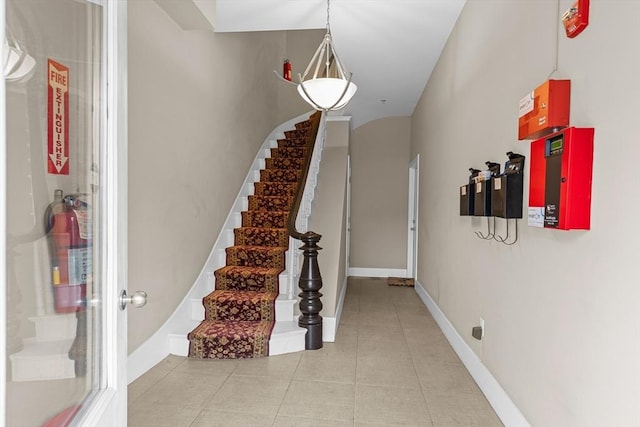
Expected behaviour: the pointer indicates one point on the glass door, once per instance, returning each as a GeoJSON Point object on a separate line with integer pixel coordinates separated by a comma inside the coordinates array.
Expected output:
{"type": "Point", "coordinates": [63, 212]}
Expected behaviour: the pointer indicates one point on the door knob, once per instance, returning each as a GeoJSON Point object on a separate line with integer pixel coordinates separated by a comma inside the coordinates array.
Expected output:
{"type": "Point", "coordinates": [138, 299]}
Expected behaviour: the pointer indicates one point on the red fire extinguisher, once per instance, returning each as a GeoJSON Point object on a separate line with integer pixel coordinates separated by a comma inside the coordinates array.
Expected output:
{"type": "Point", "coordinates": [286, 70]}
{"type": "Point", "coordinates": [69, 230]}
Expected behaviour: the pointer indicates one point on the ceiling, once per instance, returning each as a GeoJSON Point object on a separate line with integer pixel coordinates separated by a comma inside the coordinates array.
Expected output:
{"type": "Point", "coordinates": [391, 46]}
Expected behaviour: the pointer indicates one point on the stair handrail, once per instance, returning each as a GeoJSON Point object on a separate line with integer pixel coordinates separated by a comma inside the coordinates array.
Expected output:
{"type": "Point", "coordinates": [304, 212]}
{"type": "Point", "coordinates": [310, 281]}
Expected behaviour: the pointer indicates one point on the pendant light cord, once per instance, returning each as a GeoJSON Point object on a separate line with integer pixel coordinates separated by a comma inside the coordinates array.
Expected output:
{"type": "Point", "coordinates": [328, 52]}
{"type": "Point", "coordinates": [328, 28]}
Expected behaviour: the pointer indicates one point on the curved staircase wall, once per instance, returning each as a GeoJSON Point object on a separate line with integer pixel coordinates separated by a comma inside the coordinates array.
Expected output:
{"type": "Point", "coordinates": [161, 344]}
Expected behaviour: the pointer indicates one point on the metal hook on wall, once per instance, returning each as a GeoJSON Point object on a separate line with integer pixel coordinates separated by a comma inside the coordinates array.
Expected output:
{"type": "Point", "coordinates": [489, 235]}
{"type": "Point", "coordinates": [505, 239]}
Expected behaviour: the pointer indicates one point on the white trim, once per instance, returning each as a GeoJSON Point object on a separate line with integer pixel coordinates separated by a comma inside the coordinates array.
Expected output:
{"type": "Point", "coordinates": [108, 406]}
{"type": "Point", "coordinates": [502, 404]}
{"type": "Point", "coordinates": [377, 272]}
{"type": "Point", "coordinates": [348, 224]}
{"type": "Point", "coordinates": [412, 220]}
{"type": "Point", "coordinates": [330, 324]}
{"type": "Point", "coordinates": [148, 354]}
{"type": "Point", "coordinates": [3, 228]}
{"type": "Point", "coordinates": [331, 118]}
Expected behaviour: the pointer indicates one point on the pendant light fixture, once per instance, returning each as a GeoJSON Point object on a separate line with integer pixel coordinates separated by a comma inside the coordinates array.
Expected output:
{"type": "Point", "coordinates": [329, 88]}
{"type": "Point", "coordinates": [17, 64]}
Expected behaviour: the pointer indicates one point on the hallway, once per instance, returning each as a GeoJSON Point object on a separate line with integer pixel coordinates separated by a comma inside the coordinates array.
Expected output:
{"type": "Point", "coordinates": [390, 365]}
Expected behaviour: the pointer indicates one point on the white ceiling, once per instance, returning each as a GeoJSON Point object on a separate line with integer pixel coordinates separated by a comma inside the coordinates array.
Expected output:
{"type": "Point", "coordinates": [391, 46]}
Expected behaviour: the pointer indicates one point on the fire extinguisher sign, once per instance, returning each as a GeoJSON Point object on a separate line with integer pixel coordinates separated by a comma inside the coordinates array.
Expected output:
{"type": "Point", "coordinates": [58, 118]}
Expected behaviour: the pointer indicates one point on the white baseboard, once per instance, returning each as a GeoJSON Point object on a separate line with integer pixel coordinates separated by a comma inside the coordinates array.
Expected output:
{"type": "Point", "coordinates": [340, 304]}
{"type": "Point", "coordinates": [377, 272]}
{"type": "Point", "coordinates": [508, 412]}
{"type": "Point", "coordinates": [329, 326]}
{"type": "Point", "coordinates": [149, 354]}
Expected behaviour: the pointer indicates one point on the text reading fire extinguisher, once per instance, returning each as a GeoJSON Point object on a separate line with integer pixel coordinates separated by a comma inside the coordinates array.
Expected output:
{"type": "Point", "coordinates": [69, 230]}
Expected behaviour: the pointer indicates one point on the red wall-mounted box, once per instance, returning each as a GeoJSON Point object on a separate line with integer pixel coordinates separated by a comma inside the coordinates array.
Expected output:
{"type": "Point", "coordinates": [545, 110]}
{"type": "Point", "coordinates": [576, 19]}
{"type": "Point", "coordinates": [560, 180]}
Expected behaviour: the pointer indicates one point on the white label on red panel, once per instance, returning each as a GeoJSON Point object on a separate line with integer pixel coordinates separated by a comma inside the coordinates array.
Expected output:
{"type": "Point", "coordinates": [526, 104]}
{"type": "Point", "coordinates": [536, 216]}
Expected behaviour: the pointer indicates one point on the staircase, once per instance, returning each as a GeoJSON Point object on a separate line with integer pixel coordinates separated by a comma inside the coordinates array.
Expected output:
{"type": "Point", "coordinates": [46, 355]}
{"type": "Point", "coordinates": [244, 316]}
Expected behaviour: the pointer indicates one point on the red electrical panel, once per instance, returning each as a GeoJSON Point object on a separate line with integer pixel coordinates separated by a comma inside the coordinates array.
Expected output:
{"type": "Point", "coordinates": [544, 110]}
{"type": "Point", "coordinates": [560, 180]}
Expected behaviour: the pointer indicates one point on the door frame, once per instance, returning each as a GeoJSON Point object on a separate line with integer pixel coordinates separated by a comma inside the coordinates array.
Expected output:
{"type": "Point", "coordinates": [348, 225]}
{"type": "Point", "coordinates": [412, 218]}
{"type": "Point", "coordinates": [109, 406]}
{"type": "Point", "coordinates": [3, 227]}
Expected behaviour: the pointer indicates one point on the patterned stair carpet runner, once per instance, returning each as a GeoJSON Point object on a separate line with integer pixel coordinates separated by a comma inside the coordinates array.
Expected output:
{"type": "Point", "coordinates": [240, 312]}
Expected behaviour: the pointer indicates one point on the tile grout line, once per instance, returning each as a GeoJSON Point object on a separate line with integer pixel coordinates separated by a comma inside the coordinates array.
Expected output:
{"type": "Point", "coordinates": [148, 389]}
{"type": "Point", "coordinates": [413, 363]}
{"type": "Point", "coordinates": [399, 309]}
{"type": "Point", "coordinates": [273, 423]}
{"type": "Point", "coordinates": [355, 379]}
{"type": "Point", "coordinates": [415, 370]}
{"type": "Point", "coordinates": [204, 405]}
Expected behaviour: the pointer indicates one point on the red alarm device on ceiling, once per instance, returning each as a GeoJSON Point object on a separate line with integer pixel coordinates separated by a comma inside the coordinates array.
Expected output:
{"type": "Point", "coordinates": [576, 19]}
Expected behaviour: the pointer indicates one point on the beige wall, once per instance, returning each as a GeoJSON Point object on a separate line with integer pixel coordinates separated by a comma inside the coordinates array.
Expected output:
{"type": "Point", "coordinates": [561, 308]}
{"type": "Point", "coordinates": [328, 216]}
{"type": "Point", "coordinates": [379, 189]}
{"type": "Point", "coordinates": [200, 105]}
{"type": "Point", "coordinates": [299, 47]}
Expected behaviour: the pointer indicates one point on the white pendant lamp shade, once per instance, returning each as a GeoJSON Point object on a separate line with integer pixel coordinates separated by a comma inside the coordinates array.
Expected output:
{"type": "Point", "coordinates": [17, 65]}
{"type": "Point", "coordinates": [330, 87]}
{"type": "Point", "coordinates": [327, 93]}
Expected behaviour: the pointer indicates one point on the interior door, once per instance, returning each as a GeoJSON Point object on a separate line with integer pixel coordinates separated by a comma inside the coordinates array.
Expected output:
{"type": "Point", "coordinates": [348, 231]}
{"type": "Point", "coordinates": [412, 223]}
{"type": "Point", "coordinates": [63, 212]}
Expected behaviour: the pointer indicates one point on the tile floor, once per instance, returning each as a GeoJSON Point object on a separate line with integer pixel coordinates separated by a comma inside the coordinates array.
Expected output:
{"type": "Point", "coordinates": [389, 366]}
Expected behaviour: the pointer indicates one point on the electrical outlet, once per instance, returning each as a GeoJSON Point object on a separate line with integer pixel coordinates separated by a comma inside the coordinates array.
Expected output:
{"type": "Point", "coordinates": [482, 327]}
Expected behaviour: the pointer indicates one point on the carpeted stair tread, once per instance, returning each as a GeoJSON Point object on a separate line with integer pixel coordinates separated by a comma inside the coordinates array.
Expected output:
{"type": "Point", "coordinates": [260, 236]}
{"type": "Point", "coordinates": [291, 152]}
{"type": "Point", "coordinates": [270, 203]}
{"type": "Point", "coordinates": [296, 133]}
{"type": "Point", "coordinates": [233, 305]}
{"type": "Point", "coordinates": [276, 219]}
{"type": "Point", "coordinates": [274, 188]}
{"type": "Point", "coordinates": [284, 163]}
{"type": "Point", "coordinates": [215, 339]}
{"type": "Point", "coordinates": [256, 256]}
{"type": "Point", "coordinates": [292, 143]}
{"type": "Point", "coordinates": [232, 277]}
{"type": "Point", "coordinates": [306, 124]}
{"type": "Point", "coordinates": [280, 175]}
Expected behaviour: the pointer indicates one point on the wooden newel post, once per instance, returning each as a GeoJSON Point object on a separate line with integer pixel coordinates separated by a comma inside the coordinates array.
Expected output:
{"type": "Point", "coordinates": [310, 284]}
